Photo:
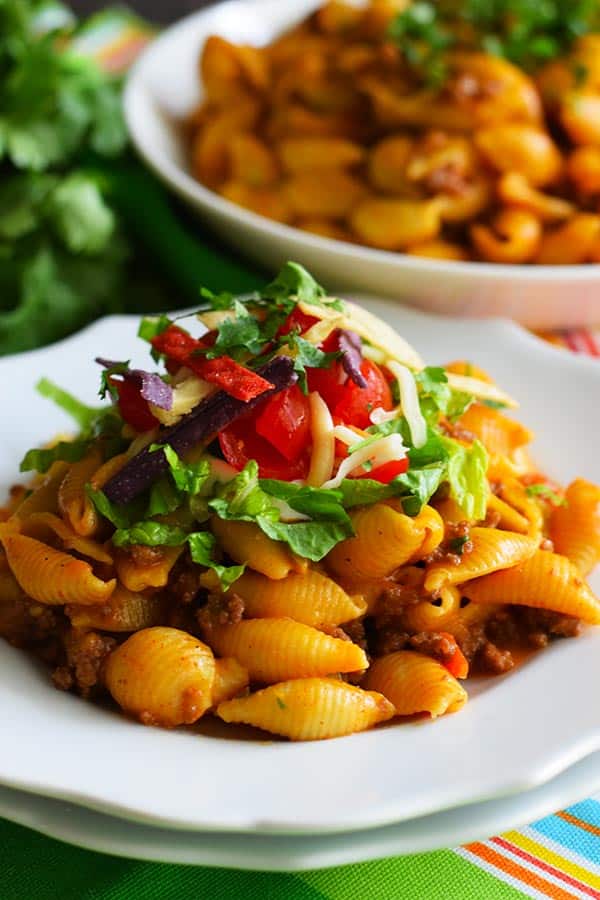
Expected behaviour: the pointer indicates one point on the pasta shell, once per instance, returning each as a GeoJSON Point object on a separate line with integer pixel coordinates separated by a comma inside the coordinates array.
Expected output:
{"type": "Point", "coordinates": [492, 550]}
{"type": "Point", "coordinates": [45, 496]}
{"type": "Point", "coordinates": [510, 519]}
{"type": "Point", "coordinates": [124, 611]}
{"type": "Point", "coordinates": [45, 525]}
{"type": "Point", "coordinates": [309, 709]}
{"type": "Point", "coordinates": [278, 649]}
{"type": "Point", "coordinates": [162, 676]}
{"type": "Point", "coordinates": [52, 577]}
{"type": "Point", "coordinates": [385, 539]}
{"type": "Point", "coordinates": [231, 679]}
{"type": "Point", "coordinates": [575, 528]}
{"type": "Point", "coordinates": [311, 598]}
{"type": "Point", "coordinates": [497, 432]}
{"type": "Point", "coordinates": [246, 543]}
{"type": "Point", "coordinates": [415, 683]}
{"type": "Point", "coordinates": [138, 578]}
{"type": "Point", "coordinates": [545, 581]}
{"type": "Point", "coordinates": [73, 502]}
{"type": "Point", "coordinates": [432, 616]}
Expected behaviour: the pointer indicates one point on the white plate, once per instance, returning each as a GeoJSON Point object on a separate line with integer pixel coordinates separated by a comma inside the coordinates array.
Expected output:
{"type": "Point", "coordinates": [516, 732]}
{"type": "Point", "coordinates": [97, 831]}
{"type": "Point", "coordinates": [163, 87]}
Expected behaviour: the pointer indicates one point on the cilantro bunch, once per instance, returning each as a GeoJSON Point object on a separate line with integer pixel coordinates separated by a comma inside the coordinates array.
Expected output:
{"type": "Point", "coordinates": [526, 32]}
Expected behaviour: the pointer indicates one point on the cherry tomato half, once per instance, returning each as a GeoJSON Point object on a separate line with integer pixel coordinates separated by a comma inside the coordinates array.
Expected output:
{"type": "Point", "coordinates": [348, 402]}
{"type": "Point", "coordinates": [276, 436]}
{"type": "Point", "coordinates": [134, 409]}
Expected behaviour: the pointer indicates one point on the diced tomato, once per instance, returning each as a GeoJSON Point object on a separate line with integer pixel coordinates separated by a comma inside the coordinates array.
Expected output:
{"type": "Point", "coordinates": [347, 402]}
{"type": "Point", "coordinates": [284, 421]}
{"type": "Point", "coordinates": [133, 407]}
{"type": "Point", "coordinates": [238, 381]}
{"type": "Point", "coordinates": [297, 321]}
{"type": "Point", "coordinates": [457, 664]}
{"type": "Point", "coordinates": [388, 471]}
{"type": "Point", "coordinates": [240, 443]}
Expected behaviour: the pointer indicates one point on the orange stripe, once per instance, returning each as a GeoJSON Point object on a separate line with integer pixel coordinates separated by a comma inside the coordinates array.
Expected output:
{"type": "Point", "coordinates": [519, 872]}
{"type": "Point", "coordinates": [579, 823]}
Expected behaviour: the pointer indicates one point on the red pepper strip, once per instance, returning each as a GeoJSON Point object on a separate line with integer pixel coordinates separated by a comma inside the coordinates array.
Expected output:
{"type": "Point", "coordinates": [226, 373]}
{"type": "Point", "coordinates": [456, 664]}
{"type": "Point", "coordinates": [388, 471]}
{"type": "Point", "coordinates": [133, 407]}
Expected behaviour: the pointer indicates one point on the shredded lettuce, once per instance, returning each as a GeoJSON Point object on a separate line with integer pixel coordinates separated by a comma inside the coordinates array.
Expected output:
{"type": "Point", "coordinates": [467, 477]}
{"type": "Point", "coordinates": [84, 416]}
{"type": "Point", "coordinates": [242, 498]}
{"type": "Point", "coordinates": [312, 540]}
{"type": "Point", "coordinates": [188, 477]}
{"type": "Point", "coordinates": [202, 545]}
{"type": "Point", "coordinates": [41, 460]}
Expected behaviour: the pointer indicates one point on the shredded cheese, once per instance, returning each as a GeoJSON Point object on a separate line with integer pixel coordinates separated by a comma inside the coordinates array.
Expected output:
{"type": "Point", "coordinates": [378, 453]}
{"type": "Point", "coordinates": [379, 415]}
{"type": "Point", "coordinates": [370, 328]}
{"type": "Point", "coordinates": [409, 401]}
{"type": "Point", "coordinates": [483, 390]}
{"type": "Point", "coordinates": [323, 441]}
{"type": "Point", "coordinates": [186, 395]}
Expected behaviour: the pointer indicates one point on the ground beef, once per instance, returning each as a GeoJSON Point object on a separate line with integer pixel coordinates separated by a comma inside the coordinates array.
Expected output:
{"type": "Point", "coordinates": [492, 659]}
{"type": "Point", "coordinates": [86, 655]}
{"type": "Point", "coordinates": [431, 643]}
{"type": "Point", "coordinates": [220, 609]}
{"type": "Point", "coordinates": [143, 556]}
{"type": "Point", "coordinates": [542, 625]}
{"type": "Point", "coordinates": [457, 544]}
{"type": "Point", "coordinates": [185, 586]}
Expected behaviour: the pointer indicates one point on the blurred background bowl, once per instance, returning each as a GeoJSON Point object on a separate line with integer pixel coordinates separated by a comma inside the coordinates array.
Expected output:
{"type": "Point", "coordinates": [164, 87]}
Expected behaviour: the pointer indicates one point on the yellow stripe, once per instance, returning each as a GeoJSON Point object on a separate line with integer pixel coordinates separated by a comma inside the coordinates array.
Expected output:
{"type": "Point", "coordinates": [554, 859]}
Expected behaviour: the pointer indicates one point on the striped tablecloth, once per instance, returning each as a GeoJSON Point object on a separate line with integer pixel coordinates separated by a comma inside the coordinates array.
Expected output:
{"type": "Point", "coordinates": [557, 857]}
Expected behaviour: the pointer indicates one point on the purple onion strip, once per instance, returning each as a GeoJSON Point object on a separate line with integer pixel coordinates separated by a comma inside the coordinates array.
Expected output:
{"type": "Point", "coordinates": [197, 427]}
{"type": "Point", "coordinates": [351, 348]}
{"type": "Point", "coordinates": [152, 388]}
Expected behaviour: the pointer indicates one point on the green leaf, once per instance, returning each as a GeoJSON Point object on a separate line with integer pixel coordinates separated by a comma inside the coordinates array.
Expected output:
{"type": "Point", "coordinates": [117, 514]}
{"type": "Point", "coordinates": [188, 477]}
{"type": "Point", "coordinates": [152, 326]}
{"type": "Point", "coordinates": [312, 540]}
{"type": "Point", "coordinates": [242, 498]}
{"type": "Point", "coordinates": [202, 546]}
{"type": "Point", "coordinates": [294, 281]}
{"type": "Point", "coordinates": [41, 460]}
{"type": "Point", "coordinates": [85, 416]}
{"type": "Point", "coordinates": [236, 337]}
{"type": "Point", "coordinates": [165, 498]}
{"type": "Point", "coordinates": [150, 534]}
{"type": "Point", "coordinates": [80, 215]}
{"type": "Point", "coordinates": [436, 395]}
{"type": "Point", "coordinates": [467, 477]}
{"type": "Point", "coordinates": [419, 485]}
{"type": "Point", "coordinates": [318, 503]}
{"type": "Point", "coordinates": [546, 493]}
{"type": "Point", "coordinates": [306, 354]}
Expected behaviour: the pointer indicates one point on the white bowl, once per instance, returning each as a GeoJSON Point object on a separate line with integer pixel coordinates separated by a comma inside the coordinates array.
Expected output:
{"type": "Point", "coordinates": [164, 86]}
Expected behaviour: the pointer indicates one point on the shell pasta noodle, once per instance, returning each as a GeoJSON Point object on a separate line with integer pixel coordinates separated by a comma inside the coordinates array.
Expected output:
{"type": "Point", "coordinates": [323, 535]}
{"type": "Point", "coordinates": [438, 132]}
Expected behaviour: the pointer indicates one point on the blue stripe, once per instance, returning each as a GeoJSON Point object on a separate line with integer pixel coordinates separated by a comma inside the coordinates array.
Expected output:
{"type": "Point", "coordinates": [576, 839]}
{"type": "Point", "coordinates": [588, 810]}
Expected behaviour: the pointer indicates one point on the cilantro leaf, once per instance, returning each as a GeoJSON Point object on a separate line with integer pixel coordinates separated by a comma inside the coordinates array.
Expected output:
{"type": "Point", "coordinates": [236, 337]}
{"type": "Point", "coordinates": [294, 281]}
{"type": "Point", "coordinates": [306, 354]}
